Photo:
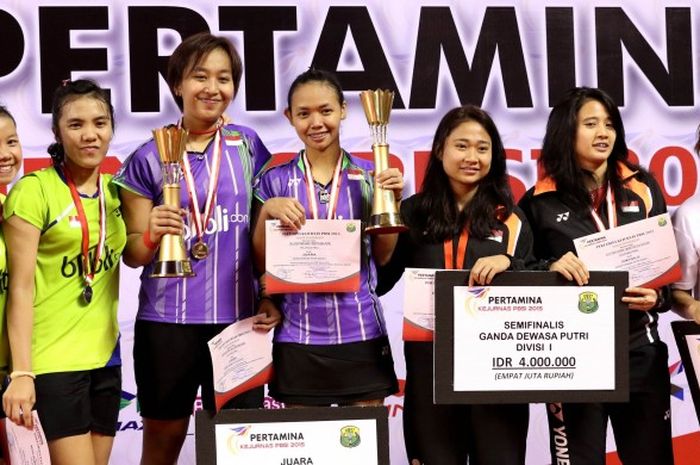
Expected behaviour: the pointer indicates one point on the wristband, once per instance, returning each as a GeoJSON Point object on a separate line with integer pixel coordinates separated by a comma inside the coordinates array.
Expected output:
{"type": "Point", "coordinates": [150, 245]}
{"type": "Point", "coordinates": [19, 374]}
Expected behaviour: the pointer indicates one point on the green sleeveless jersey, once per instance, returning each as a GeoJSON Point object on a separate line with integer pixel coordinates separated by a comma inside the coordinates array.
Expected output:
{"type": "Point", "coordinates": [69, 334]}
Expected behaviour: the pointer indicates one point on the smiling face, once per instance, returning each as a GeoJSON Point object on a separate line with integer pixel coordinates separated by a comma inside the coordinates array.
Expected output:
{"type": "Point", "coordinates": [206, 90]}
{"type": "Point", "coordinates": [595, 136]}
{"type": "Point", "coordinates": [316, 113]}
{"type": "Point", "coordinates": [10, 151]}
{"type": "Point", "coordinates": [85, 131]}
{"type": "Point", "coordinates": [466, 156]}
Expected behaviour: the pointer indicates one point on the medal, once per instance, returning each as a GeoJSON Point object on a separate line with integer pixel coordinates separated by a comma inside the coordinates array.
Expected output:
{"type": "Point", "coordinates": [324, 196]}
{"type": "Point", "coordinates": [200, 250]}
{"type": "Point", "coordinates": [87, 293]}
{"type": "Point", "coordinates": [89, 268]}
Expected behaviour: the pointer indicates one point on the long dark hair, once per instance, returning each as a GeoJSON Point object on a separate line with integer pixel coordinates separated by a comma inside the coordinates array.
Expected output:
{"type": "Point", "coordinates": [65, 93]}
{"type": "Point", "coordinates": [493, 200]}
{"type": "Point", "coordinates": [192, 51]}
{"type": "Point", "coordinates": [558, 157]}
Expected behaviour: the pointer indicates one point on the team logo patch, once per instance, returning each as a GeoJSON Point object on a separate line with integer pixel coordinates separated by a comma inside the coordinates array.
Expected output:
{"type": "Point", "coordinates": [562, 217]}
{"type": "Point", "coordinates": [496, 236]}
{"type": "Point", "coordinates": [350, 436]}
{"type": "Point", "coordinates": [588, 302]}
{"type": "Point", "coordinates": [630, 207]}
{"type": "Point", "coordinates": [355, 175]}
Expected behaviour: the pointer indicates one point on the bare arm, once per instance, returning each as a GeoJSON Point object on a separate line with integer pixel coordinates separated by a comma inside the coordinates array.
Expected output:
{"type": "Point", "coordinates": [383, 244]}
{"type": "Point", "coordinates": [140, 216]}
{"type": "Point", "coordinates": [22, 240]}
{"type": "Point", "coordinates": [685, 305]}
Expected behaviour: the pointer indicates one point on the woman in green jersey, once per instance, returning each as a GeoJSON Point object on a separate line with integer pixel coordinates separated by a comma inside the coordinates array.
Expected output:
{"type": "Point", "coordinates": [65, 234]}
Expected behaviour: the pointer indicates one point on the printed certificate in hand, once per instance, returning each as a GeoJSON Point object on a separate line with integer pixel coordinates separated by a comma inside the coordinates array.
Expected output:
{"type": "Point", "coordinates": [241, 359]}
{"type": "Point", "coordinates": [646, 249]}
{"type": "Point", "coordinates": [24, 446]}
{"type": "Point", "coordinates": [323, 256]}
{"type": "Point", "coordinates": [419, 304]}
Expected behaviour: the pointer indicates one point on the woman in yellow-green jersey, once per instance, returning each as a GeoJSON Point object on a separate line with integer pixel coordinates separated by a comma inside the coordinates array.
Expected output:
{"type": "Point", "coordinates": [64, 235]}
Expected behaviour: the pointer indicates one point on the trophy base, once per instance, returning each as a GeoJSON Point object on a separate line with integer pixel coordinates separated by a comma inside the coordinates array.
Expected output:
{"type": "Point", "coordinates": [385, 223]}
{"type": "Point", "coordinates": [173, 269]}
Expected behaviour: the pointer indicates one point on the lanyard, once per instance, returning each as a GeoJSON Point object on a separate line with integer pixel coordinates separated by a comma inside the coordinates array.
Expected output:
{"type": "Point", "coordinates": [88, 271]}
{"type": "Point", "coordinates": [450, 264]}
{"type": "Point", "coordinates": [200, 219]}
{"type": "Point", "coordinates": [612, 214]}
{"type": "Point", "coordinates": [311, 190]}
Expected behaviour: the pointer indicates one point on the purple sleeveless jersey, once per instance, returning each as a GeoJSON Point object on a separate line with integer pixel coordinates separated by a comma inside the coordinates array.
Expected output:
{"type": "Point", "coordinates": [222, 290]}
{"type": "Point", "coordinates": [330, 318]}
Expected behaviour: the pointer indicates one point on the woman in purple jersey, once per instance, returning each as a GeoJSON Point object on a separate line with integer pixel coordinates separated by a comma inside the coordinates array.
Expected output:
{"type": "Point", "coordinates": [177, 316]}
{"type": "Point", "coordinates": [331, 348]}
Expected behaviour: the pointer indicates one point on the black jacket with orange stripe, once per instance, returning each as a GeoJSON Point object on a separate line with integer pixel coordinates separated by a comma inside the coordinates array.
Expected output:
{"type": "Point", "coordinates": [555, 225]}
{"type": "Point", "coordinates": [513, 237]}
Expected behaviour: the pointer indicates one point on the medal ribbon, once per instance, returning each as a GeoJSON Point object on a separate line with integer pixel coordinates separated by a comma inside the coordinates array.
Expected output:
{"type": "Point", "coordinates": [88, 272]}
{"type": "Point", "coordinates": [311, 190]}
{"type": "Point", "coordinates": [612, 214]}
{"type": "Point", "coordinates": [200, 219]}
{"type": "Point", "coordinates": [447, 246]}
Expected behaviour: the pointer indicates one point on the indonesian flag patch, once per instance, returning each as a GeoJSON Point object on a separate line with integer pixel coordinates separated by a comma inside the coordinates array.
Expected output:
{"type": "Point", "coordinates": [630, 207]}
{"type": "Point", "coordinates": [496, 236]}
{"type": "Point", "coordinates": [355, 174]}
{"type": "Point", "coordinates": [233, 139]}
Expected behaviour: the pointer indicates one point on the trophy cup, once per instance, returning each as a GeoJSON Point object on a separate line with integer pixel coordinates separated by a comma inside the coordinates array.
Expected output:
{"type": "Point", "coordinates": [385, 218]}
{"type": "Point", "coordinates": [172, 256]}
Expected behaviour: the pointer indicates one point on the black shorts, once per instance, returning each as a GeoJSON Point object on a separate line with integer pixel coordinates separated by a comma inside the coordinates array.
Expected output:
{"type": "Point", "coordinates": [333, 374]}
{"type": "Point", "coordinates": [77, 402]}
{"type": "Point", "coordinates": [171, 362]}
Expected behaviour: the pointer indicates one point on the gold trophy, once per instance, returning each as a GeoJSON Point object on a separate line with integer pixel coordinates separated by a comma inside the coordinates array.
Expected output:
{"type": "Point", "coordinates": [385, 218]}
{"type": "Point", "coordinates": [173, 261]}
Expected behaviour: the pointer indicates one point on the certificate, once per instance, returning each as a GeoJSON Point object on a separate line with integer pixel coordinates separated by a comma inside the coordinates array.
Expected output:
{"type": "Point", "coordinates": [241, 358]}
{"type": "Point", "coordinates": [646, 249]}
{"type": "Point", "coordinates": [323, 256]}
{"type": "Point", "coordinates": [335, 435]}
{"type": "Point", "coordinates": [687, 335]}
{"type": "Point", "coordinates": [530, 337]}
{"type": "Point", "coordinates": [24, 446]}
{"type": "Point", "coordinates": [418, 304]}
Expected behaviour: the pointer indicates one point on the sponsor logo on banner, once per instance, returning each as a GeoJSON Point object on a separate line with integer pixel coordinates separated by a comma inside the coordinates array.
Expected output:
{"type": "Point", "coordinates": [588, 302]}
{"type": "Point", "coordinates": [350, 436]}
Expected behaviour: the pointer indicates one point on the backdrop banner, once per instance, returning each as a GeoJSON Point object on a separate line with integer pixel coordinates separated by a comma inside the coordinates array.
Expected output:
{"type": "Point", "coordinates": [514, 58]}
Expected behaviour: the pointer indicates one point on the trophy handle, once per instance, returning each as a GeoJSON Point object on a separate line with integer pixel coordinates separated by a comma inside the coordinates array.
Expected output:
{"type": "Point", "coordinates": [385, 218]}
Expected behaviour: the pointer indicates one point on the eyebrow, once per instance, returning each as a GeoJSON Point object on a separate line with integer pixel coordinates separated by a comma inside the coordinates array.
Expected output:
{"type": "Point", "coordinates": [478, 141]}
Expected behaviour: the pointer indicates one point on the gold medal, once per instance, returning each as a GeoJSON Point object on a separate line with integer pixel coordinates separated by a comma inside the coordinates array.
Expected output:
{"type": "Point", "coordinates": [200, 250]}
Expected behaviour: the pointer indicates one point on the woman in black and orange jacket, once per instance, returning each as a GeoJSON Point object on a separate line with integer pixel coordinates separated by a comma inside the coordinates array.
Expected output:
{"type": "Point", "coordinates": [590, 185]}
{"type": "Point", "coordinates": [464, 218]}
